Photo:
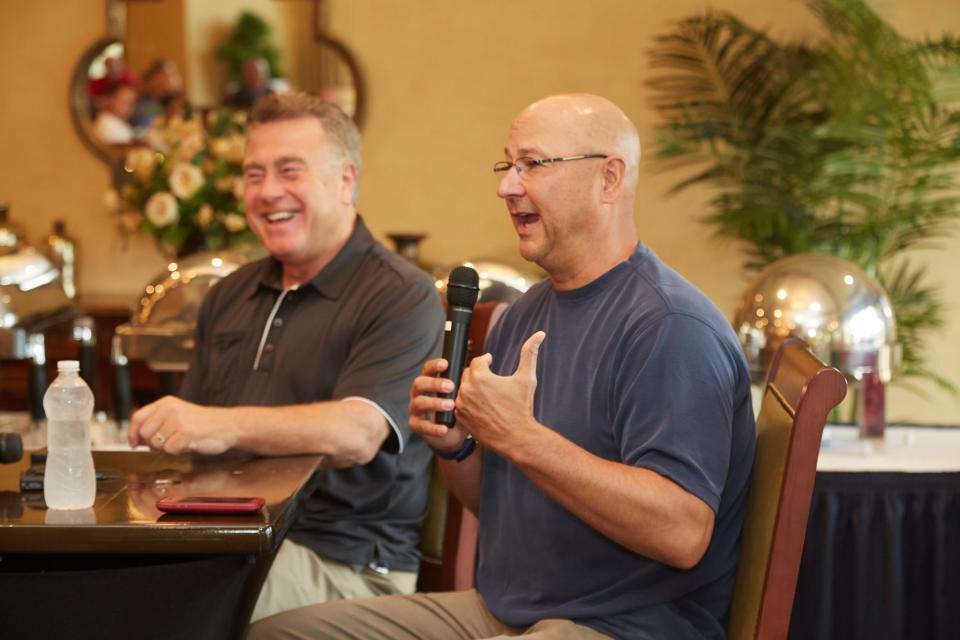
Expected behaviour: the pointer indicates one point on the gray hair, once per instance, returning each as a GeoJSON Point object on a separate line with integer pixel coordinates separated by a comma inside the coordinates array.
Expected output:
{"type": "Point", "coordinates": [339, 128]}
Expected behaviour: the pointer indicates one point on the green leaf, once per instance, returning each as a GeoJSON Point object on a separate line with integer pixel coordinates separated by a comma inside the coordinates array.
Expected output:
{"type": "Point", "coordinates": [848, 144]}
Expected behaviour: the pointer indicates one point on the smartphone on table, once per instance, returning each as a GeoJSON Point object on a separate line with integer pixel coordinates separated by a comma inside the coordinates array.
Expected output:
{"type": "Point", "coordinates": [210, 505]}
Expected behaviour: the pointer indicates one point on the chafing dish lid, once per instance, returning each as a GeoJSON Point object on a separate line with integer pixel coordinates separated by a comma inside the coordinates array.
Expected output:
{"type": "Point", "coordinates": [26, 269]}
{"type": "Point", "coordinates": [174, 296]}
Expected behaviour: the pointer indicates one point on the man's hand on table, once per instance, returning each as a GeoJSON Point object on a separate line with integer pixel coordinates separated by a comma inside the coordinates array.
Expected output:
{"type": "Point", "coordinates": [175, 426]}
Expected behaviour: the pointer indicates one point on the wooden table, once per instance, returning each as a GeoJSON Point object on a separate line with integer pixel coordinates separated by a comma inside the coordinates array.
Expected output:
{"type": "Point", "coordinates": [123, 569]}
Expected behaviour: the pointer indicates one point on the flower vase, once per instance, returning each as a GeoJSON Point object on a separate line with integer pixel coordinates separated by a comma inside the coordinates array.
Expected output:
{"type": "Point", "coordinates": [408, 246]}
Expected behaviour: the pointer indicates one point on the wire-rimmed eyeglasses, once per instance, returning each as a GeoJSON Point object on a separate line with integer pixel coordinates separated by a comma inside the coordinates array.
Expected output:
{"type": "Point", "coordinates": [525, 164]}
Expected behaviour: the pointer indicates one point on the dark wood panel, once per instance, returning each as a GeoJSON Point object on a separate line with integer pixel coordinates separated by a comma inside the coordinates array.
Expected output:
{"type": "Point", "coordinates": [146, 384]}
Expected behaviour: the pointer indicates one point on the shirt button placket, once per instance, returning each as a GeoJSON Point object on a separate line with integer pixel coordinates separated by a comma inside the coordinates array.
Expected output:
{"type": "Point", "coordinates": [274, 335]}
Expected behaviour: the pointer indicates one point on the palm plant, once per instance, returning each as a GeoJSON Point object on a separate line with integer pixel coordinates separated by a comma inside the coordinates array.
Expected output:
{"type": "Point", "coordinates": [849, 145]}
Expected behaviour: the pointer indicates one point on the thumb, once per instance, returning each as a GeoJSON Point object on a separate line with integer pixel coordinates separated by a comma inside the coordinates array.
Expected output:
{"type": "Point", "coordinates": [481, 363]}
{"type": "Point", "coordinates": [527, 367]}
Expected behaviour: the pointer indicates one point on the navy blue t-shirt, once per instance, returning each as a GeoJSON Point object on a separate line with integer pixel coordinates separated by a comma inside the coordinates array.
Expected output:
{"type": "Point", "coordinates": [641, 368]}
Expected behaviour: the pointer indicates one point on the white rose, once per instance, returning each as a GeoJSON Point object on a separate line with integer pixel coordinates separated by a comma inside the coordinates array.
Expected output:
{"type": "Point", "coordinates": [220, 147]}
{"type": "Point", "coordinates": [190, 145]}
{"type": "Point", "coordinates": [162, 209]}
{"type": "Point", "coordinates": [185, 180]}
{"type": "Point", "coordinates": [234, 222]}
{"type": "Point", "coordinates": [204, 216]}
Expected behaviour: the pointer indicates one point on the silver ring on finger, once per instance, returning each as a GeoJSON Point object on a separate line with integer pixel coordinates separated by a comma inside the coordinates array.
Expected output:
{"type": "Point", "coordinates": [160, 438]}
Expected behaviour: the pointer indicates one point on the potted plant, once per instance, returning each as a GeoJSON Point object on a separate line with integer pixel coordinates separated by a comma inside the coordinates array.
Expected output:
{"type": "Point", "coordinates": [849, 145]}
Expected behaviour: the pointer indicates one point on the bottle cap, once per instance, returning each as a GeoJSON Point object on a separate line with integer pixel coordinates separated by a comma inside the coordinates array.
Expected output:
{"type": "Point", "coordinates": [68, 365]}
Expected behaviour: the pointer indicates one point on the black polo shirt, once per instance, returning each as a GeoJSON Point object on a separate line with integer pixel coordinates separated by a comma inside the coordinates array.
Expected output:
{"type": "Point", "coordinates": [361, 329]}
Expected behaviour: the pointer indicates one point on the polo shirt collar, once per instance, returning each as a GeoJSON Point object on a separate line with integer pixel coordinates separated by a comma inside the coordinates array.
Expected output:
{"type": "Point", "coordinates": [332, 279]}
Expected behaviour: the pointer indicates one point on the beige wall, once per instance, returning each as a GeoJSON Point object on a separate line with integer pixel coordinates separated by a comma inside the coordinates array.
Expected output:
{"type": "Point", "coordinates": [164, 24]}
{"type": "Point", "coordinates": [190, 31]}
{"type": "Point", "coordinates": [209, 24]}
{"type": "Point", "coordinates": [445, 79]}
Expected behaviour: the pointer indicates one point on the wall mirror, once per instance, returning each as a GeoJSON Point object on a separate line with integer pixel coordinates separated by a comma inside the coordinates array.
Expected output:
{"type": "Point", "coordinates": [160, 57]}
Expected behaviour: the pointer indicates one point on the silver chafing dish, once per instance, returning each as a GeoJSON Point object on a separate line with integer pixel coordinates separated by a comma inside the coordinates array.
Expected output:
{"type": "Point", "coordinates": [842, 313]}
{"type": "Point", "coordinates": [160, 331]}
{"type": "Point", "coordinates": [161, 328]}
{"type": "Point", "coordinates": [499, 282]}
{"type": "Point", "coordinates": [33, 303]}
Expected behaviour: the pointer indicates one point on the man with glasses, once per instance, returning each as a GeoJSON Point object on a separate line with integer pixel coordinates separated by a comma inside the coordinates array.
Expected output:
{"type": "Point", "coordinates": [606, 439]}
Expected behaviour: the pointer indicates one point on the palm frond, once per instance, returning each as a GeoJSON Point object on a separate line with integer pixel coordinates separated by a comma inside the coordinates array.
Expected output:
{"type": "Point", "coordinates": [849, 145]}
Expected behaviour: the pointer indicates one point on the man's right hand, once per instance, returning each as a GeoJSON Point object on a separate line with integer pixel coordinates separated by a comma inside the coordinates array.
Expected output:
{"type": "Point", "coordinates": [425, 403]}
{"type": "Point", "coordinates": [176, 426]}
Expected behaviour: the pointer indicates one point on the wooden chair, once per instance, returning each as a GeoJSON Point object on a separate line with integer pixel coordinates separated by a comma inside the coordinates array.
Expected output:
{"type": "Point", "coordinates": [448, 541]}
{"type": "Point", "coordinates": [448, 538]}
{"type": "Point", "coordinates": [799, 394]}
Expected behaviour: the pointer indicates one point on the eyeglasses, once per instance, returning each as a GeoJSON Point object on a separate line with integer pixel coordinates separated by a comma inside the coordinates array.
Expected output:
{"type": "Point", "coordinates": [525, 164]}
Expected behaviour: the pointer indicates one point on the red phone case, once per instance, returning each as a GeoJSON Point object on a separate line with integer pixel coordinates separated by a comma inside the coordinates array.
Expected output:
{"type": "Point", "coordinates": [213, 505]}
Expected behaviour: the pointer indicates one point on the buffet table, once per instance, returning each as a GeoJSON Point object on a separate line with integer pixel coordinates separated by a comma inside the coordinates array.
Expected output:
{"type": "Point", "coordinates": [881, 558]}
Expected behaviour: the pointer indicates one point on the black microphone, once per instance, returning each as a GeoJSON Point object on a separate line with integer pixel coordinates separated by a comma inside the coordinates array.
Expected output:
{"type": "Point", "coordinates": [462, 291]}
{"type": "Point", "coordinates": [11, 447]}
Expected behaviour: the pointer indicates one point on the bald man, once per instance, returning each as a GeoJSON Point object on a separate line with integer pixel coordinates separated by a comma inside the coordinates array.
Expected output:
{"type": "Point", "coordinates": [606, 439]}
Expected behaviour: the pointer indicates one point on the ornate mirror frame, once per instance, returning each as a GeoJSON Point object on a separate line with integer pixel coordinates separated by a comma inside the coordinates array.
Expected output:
{"type": "Point", "coordinates": [79, 99]}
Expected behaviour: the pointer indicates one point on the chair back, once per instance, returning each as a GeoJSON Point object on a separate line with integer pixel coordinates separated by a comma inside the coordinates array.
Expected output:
{"type": "Point", "coordinates": [800, 392]}
{"type": "Point", "coordinates": [448, 537]}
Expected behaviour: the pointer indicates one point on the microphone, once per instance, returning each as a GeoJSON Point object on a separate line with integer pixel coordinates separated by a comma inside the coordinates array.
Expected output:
{"type": "Point", "coordinates": [11, 447]}
{"type": "Point", "coordinates": [462, 291]}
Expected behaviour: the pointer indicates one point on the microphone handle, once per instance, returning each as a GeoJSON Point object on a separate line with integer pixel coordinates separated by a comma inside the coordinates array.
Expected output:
{"type": "Point", "coordinates": [455, 353]}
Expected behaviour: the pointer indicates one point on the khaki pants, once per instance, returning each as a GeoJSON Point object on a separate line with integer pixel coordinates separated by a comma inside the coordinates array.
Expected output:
{"type": "Point", "coordinates": [299, 577]}
{"type": "Point", "coordinates": [458, 615]}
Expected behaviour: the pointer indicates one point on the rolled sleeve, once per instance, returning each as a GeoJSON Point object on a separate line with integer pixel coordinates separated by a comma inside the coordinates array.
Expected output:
{"type": "Point", "coordinates": [404, 331]}
{"type": "Point", "coordinates": [676, 412]}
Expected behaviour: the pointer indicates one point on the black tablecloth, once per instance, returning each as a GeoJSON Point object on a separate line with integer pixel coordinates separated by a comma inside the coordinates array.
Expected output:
{"type": "Point", "coordinates": [112, 597]}
{"type": "Point", "coordinates": [881, 558]}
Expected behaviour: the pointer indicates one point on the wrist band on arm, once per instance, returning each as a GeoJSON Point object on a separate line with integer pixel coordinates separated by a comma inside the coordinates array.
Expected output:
{"type": "Point", "coordinates": [460, 453]}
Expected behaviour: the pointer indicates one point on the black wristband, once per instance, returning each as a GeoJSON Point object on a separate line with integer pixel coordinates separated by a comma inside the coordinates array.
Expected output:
{"type": "Point", "coordinates": [460, 453]}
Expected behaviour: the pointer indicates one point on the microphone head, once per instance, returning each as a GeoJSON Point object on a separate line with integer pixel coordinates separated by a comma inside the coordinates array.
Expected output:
{"type": "Point", "coordinates": [11, 447]}
{"type": "Point", "coordinates": [463, 287]}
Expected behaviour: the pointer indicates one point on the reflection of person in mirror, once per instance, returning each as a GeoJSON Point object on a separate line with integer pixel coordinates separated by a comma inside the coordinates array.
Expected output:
{"type": "Point", "coordinates": [115, 73]}
{"type": "Point", "coordinates": [313, 350]}
{"type": "Point", "coordinates": [255, 84]}
{"type": "Point", "coordinates": [112, 124]}
{"type": "Point", "coordinates": [175, 107]}
{"type": "Point", "coordinates": [605, 440]}
{"type": "Point", "coordinates": [160, 80]}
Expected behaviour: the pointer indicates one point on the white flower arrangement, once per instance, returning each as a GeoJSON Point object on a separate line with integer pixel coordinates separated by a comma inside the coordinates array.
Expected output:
{"type": "Point", "coordinates": [188, 191]}
{"type": "Point", "coordinates": [162, 210]}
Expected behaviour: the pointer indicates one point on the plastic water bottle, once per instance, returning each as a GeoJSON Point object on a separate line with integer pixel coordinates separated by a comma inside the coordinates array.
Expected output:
{"type": "Point", "coordinates": [69, 481]}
